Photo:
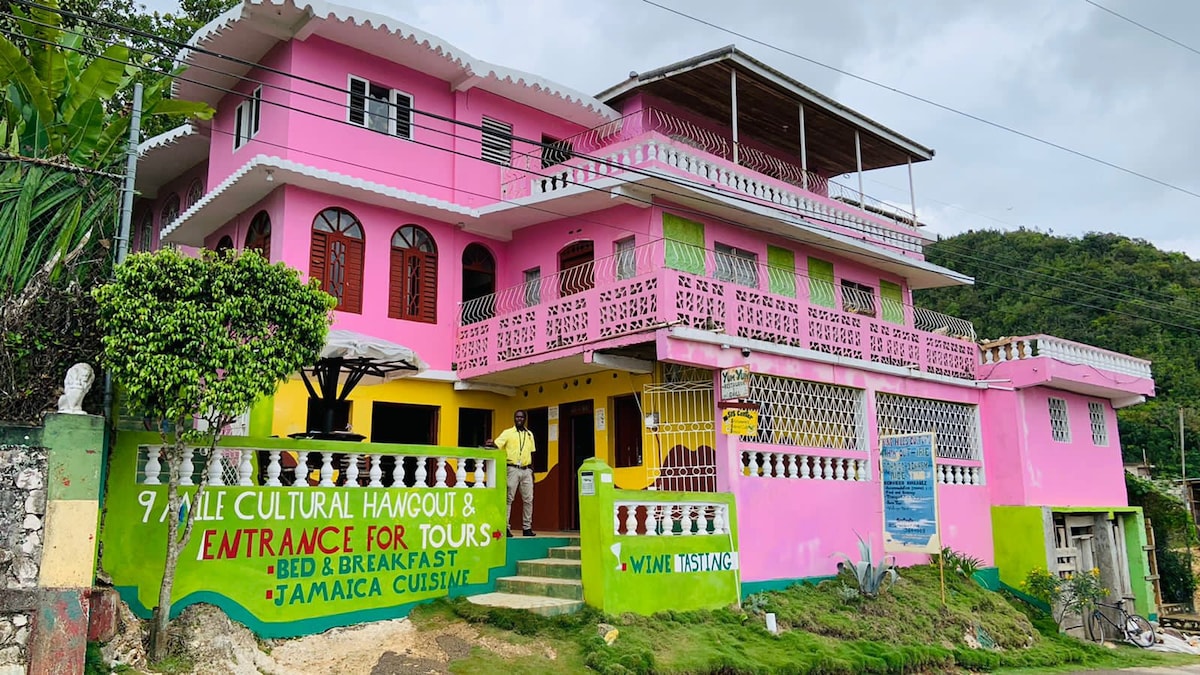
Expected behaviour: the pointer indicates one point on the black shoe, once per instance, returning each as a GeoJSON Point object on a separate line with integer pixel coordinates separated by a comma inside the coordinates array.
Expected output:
{"type": "Point", "coordinates": [528, 533]}
{"type": "Point", "coordinates": [510, 533]}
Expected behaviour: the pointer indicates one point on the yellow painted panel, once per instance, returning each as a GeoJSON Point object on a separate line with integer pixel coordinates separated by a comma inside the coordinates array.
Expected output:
{"type": "Point", "coordinates": [69, 556]}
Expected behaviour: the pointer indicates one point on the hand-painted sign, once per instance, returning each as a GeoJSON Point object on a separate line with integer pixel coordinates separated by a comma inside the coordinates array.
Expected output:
{"type": "Point", "coordinates": [294, 560]}
{"type": "Point", "coordinates": [910, 514]}
{"type": "Point", "coordinates": [739, 422]}
{"type": "Point", "coordinates": [735, 383]}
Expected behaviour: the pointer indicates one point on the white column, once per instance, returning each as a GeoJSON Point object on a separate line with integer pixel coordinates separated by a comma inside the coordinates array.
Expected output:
{"type": "Point", "coordinates": [912, 193]}
{"type": "Point", "coordinates": [803, 150]}
{"type": "Point", "coordinates": [862, 202]}
{"type": "Point", "coordinates": [733, 105]}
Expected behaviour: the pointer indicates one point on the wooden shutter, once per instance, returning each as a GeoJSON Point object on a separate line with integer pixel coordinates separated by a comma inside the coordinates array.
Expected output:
{"type": "Point", "coordinates": [318, 258]}
{"type": "Point", "coordinates": [684, 244]}
{"type": "Point", "coordinates": [781, 271]}
{"type": "Point", "coordinates": [820, 282]}
{"type": "Point", "coordinates": [892, 304]}
{"type": "Point", "coordinates": [354, 277]}
{"type": "Point", "coordinates": [428, 311]}
{"type": "Point", "coordinates": [396, 284]}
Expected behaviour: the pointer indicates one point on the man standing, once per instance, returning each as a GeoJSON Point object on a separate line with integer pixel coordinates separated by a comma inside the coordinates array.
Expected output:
{"type": "Point", "coordinates": [518, 446]}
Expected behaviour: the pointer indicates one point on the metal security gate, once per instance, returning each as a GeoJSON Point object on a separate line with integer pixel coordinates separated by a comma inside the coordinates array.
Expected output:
{"type": "Point", "coordinates": [680, 438]}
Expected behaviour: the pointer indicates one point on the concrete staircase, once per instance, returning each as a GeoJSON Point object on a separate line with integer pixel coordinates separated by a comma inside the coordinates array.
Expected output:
{"type": "Point", "coordinates": [546, 586]}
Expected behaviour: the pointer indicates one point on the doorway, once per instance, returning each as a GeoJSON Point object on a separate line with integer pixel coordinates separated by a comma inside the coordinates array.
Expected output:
{"type": "Point", "coordinates": [576, 443]}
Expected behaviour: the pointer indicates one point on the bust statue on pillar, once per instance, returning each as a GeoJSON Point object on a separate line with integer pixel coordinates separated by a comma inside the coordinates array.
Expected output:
{"type": "Point", "coordinates": [76, 386]}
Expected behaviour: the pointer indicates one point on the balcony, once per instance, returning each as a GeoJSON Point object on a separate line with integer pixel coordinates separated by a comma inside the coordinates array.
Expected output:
{"type": "Point", "coordinates": [1072, 366]}
{"type": "Point", "coordinates": [653, 142]}
{"type": "Point", "coordinates": [624, 299]}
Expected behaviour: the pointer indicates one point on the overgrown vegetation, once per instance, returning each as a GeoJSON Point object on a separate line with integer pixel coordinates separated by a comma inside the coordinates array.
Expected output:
{"type": "Point", "coordinates": [902, 631]}
{"type": "Point", "coordinates": [1174, 532]}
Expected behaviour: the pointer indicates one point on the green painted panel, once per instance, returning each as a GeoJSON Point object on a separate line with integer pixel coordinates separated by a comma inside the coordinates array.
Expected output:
{"type": "Point", "coordinates": [21, 435]}
{"type": "Point", "coordinates": [684, 244]}
{"type": "Point", "coordinates": [781, 271]}
{"type": "Point", "coordinates": [262, 417]}
{"type": "Point", "coordinates": [1018, 537]}
{"type": "Point", "coordinates": [1134, 526]}
{"type": "Point", "coordinates": [892, 302]}
{"type": "Point", "coordinates": [289, 561]}
{"type": "Point", "coordinates": [820, 282]}
{"type": "Point", "coordinates": [988, 577]}
{"type": "Point", "coordinates": [646, 574]}
{"type": "Point", "coordinates": [76, 456]}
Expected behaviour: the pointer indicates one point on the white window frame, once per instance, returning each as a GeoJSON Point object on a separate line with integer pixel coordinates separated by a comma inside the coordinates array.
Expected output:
{"type": "Point", "coordinates": [247, 119]}
{"type": "Point", "coordinates": [396, 98]}
{"type": "Point", "coordinates": [1060, 419]}
{"type": "Point", "coordinates": [735, 265]}
{"type": "Point", "coordinates": [1099, 420]}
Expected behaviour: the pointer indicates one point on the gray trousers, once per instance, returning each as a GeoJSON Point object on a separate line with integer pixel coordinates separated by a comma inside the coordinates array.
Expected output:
{"type": "Point", "coordinates": [523, 479]}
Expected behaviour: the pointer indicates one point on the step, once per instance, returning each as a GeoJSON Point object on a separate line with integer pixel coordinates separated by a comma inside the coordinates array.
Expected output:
{"type": "Point", "coordinates": [555, 568]}
{"type": "Point", "coordinates": [571, 589]}
{"type": "Point", "coordinates": [533, 603]}
{"type": "Point", "coordinates": [566, 553]}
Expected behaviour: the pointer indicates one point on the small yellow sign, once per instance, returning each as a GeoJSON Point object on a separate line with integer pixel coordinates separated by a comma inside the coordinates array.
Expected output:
{"type": "Point", "coordinates": [739, 422]}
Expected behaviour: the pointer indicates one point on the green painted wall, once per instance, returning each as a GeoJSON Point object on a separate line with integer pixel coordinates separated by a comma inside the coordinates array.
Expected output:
{"type": "Point", "coordinates": [781, 271]}
{"type": "Point", "coordinates": [292, 561]}
{"type": "Point", "coordinates": [684, 244]}
{"type": "Point", "coordinates": [1018, 537]}
{"type": "Point", "coordinates": [77, 455]}
{"type": "Point", "coordinates": [262, 417]}
{"type": "Point", "coordinates": [1139, 563]}
{"type": "Point", "coordinates": [21, 435]}
{"type": "Point", "coordinates": [820, 282]}
{"type": "Point", "coordinates": [893, 305]}
{"type": "Point", "coordinates": [648, 574]}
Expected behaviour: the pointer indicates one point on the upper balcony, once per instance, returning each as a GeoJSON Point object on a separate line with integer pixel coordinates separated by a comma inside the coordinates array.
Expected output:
{"type": "Point", "coordinates": [651, 144]}
{"type": "Point", "coordinates": [623, 300]}
{"type": "Point", "coordinates": [1045, 360]}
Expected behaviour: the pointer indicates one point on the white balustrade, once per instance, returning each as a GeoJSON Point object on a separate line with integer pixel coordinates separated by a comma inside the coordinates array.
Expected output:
{"type": "Point", "coordinates": [422, 474]}
{"type": "Point", "coordinates": [678, 519]}
{"type": "Point", "coordinates": [460, 473]}
{"type": "Point", "coordinates": [245, 467]}
{"type": "Point", "coordinates": [1032, 346]}
{"type": "Point", "coordinates": [273, 469]}
{"type": "Point", "coordinates": [480, 475]}
{"type": "Point", "coordinates": [153, 466]}
{"type": "Point", "coordinates": [800, 466]}
{"type": "Point", "coordinates": [439, 475]}
{"type": "Point", "coordinates": [186, 467]}
{"type": "Point", "coordinates": [301, 471]}
{"type": "Point", "coordinates": [352, 470]}
{"type": "Point", "coordinates": [956, 474]}
{"type": "Point", "coordinates": [376, 472]}
{"type": "Point", "coordinates": [215, 469]}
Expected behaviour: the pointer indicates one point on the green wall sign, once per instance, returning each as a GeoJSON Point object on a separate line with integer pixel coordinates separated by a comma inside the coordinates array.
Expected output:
{"type": "Point", "coordinates": [295, 560]}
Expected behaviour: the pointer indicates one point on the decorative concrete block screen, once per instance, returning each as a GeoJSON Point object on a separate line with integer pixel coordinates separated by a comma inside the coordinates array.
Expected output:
{"type": "Point", "coordinates": [294, 537]}
{"type": "Point", "coordinates": [651, 551]}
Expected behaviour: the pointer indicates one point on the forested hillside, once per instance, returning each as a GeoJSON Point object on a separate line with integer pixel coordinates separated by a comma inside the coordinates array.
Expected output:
{"type": "Point", "coordinates": [1101, 289]}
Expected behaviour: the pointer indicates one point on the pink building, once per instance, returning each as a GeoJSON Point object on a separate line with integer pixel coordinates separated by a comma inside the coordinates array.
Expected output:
{"type": "Point", "coordinates": [597, 260]}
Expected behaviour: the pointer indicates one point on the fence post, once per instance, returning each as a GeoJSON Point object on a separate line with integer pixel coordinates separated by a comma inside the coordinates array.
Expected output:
{"type": "Point", "coordinates": [596, 530]}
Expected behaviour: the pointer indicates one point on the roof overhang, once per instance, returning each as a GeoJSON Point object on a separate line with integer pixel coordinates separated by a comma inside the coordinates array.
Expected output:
{"type": "Point", "coordinates": [768, 110]}
{"type": "Point", "coordinates": [249, 30]}
{"type": "Point", "coordinates": [262, 174]}
{"type": "Point", "coordinates": [163, 158]}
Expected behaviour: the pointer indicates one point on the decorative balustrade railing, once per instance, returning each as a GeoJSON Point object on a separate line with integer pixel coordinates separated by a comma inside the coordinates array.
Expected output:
{"type": "Point", "coordinates": [670, 518]}
{"type": "Point", "coordinates": [960, 474]}
{"type": "Point", "coordinates": [633, 292]}
{"type": "Point", "coordinates": [1032, 346]}
{"type": "Point", "coordinates": [804, 465]}
{"type": "Point", "coordinates": [650, 135]}
{"type": "Point", "coordinates": [318, 468]}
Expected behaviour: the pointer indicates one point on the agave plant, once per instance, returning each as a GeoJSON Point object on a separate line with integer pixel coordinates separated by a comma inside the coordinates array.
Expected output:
{"type": "Point", "coordinates": [870, 574]}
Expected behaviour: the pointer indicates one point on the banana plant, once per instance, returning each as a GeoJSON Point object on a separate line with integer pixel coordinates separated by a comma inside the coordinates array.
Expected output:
{"type": "Point", "coordinates": [869, 574]}
{"type": "Point", "coordinates": [62, 105]}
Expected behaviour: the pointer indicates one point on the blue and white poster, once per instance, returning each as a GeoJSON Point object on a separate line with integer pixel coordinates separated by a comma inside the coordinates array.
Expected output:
{"type": "Point", "coordinates": [908, 474]}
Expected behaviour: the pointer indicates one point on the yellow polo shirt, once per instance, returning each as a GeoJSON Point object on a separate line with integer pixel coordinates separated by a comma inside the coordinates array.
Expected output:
{"type": "Point", "coordinates": [517, 445]}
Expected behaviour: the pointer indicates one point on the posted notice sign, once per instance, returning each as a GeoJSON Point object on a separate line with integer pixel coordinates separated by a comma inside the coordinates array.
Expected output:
{"type": "Point", "coordinates": [910, 514]}
{"type": "Point", "coordinates": [735, 383]}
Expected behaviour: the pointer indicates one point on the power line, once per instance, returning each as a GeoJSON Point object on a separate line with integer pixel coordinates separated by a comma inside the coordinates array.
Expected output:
{"type": "Point", "coordinates": [1144, 27]}
{"type": "Point", "coordinates": [608, 225]}
{"type": "Point", "coordinates": [927, 101]}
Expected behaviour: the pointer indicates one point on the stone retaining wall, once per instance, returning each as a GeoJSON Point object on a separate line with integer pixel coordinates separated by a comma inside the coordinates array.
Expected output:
{"type": "Point", "coordinates": [22, 510]}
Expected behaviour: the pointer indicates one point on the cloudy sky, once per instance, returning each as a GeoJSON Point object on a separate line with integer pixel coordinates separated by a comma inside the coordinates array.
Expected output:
{"type": "Point", "coordinates": [1064, 71]}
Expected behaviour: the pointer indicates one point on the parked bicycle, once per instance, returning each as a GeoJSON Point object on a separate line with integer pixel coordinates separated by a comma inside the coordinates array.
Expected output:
{"type": "Point", "coordinates": [1130, 627]}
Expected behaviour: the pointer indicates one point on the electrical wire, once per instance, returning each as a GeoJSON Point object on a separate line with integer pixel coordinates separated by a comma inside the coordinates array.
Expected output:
{"type": "Point", "coordinates": [609, 225]}
{"type": "Point", "coordinates": [1144, 27]}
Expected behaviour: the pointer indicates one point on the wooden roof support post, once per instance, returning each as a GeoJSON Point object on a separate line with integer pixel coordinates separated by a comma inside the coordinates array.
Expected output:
{"type": "Point", "coordinates": [803, 151]}
{"type": "Point", "coordinates": [733, 106]}
{"type": "Point", "coordinates": [862, 202]}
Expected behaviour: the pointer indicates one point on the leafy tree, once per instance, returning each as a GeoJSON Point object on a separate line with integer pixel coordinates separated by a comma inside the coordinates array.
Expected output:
{"type": "Point", "coordinates": [202, 339]}
{"type": "Point", "coordinates": [58, 215]}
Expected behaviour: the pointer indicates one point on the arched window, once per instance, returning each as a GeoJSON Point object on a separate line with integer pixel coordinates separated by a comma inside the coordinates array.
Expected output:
{"type": "Point", "coordinates": [170, 211]}
{"type": "Point", "coordinates": [413, 294]}
{"type": "Point", "coordinates": [224, 244]}
{"type": "Point", "coordinates": [337, 257]}
{"type": "Point", "coordinates": [478, 283]}
{"type": "Point", "coordinates": [194, 193]}
{"type": "Point", "coordinates": [145, 232]}
{"type": "Point", "coordinates": [258, 237]}
{"type": "Point", "coordinates": [576, 272]}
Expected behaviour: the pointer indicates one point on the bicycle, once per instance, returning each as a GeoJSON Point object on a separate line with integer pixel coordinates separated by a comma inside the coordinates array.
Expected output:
{"type": "Point", "coordinates": [1131, 627]}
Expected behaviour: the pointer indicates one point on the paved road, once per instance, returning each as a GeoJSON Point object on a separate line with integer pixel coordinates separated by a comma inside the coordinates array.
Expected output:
{"type": "Point", "coordinates": [1145, 671]}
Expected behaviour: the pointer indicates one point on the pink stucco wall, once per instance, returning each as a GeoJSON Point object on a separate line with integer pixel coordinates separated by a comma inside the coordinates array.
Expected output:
{"type": "Point", "coordinates": [1078, 473]}
{"type": "Point", "coordinates": [272, 138]}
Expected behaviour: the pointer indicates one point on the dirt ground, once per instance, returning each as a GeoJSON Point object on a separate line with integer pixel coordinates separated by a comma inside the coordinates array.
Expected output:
{"type": "Point", "coordinates": [219, 646]}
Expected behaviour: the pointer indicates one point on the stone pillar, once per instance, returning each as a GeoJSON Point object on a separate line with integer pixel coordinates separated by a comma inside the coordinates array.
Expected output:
{"type": "Point", "coordinates": [75, 445]}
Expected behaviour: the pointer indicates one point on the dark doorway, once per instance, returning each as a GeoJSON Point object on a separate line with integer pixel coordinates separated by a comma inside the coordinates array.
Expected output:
{"type": "Point", "coordinates": [478, 281]}
{"type": "Point", "coordinates": [474, 427]}
{"type": "Point", "coordinates": [627, 431]}
{"type": "Point", "coordinates": [545, 490]}
{"type": "Point", "coordinates": [317, 410]}
{"type": "Point", "coordinates": [576, 443]}
{"type": "Point", "coordinates": [575, 270]}
{"type": "Point", "coordinates": [404, 423]}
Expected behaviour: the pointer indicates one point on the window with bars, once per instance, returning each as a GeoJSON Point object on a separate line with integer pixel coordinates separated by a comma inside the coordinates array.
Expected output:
{"type": "Point", "coordinates": [497, 142]}
{"type": "Point", "coordinates": [626, 264]}
{"type": "Point", "coordinates": [379, 108]}
{"type": "Point", "coordinates": [555, 151]}
{"type": "Point", "coordinates": [858, 298]}
{"type": "Point", "coordinates": [1060, 423]}
{"type": "Point", "coordinates": [533, 287]}
{"type": "Point", "coordinates": [956, 424]}
{"type": "Point", "coordinates": [336, 257]}
{"type": "Point", "coordinates": [1099, 423]}
{"type": "Point", "coordinates": [736, 265]}
{"type": "Point", "coordinates": [194, 193]}
{"type": "Point", "coordinates": [246, 119]}
{"type": "Point", "coordinates": [413, 294]}
{"type": "Point", "coordinates": [808, 414]}
{"type": "Point", "coordinates": [170, 211]}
